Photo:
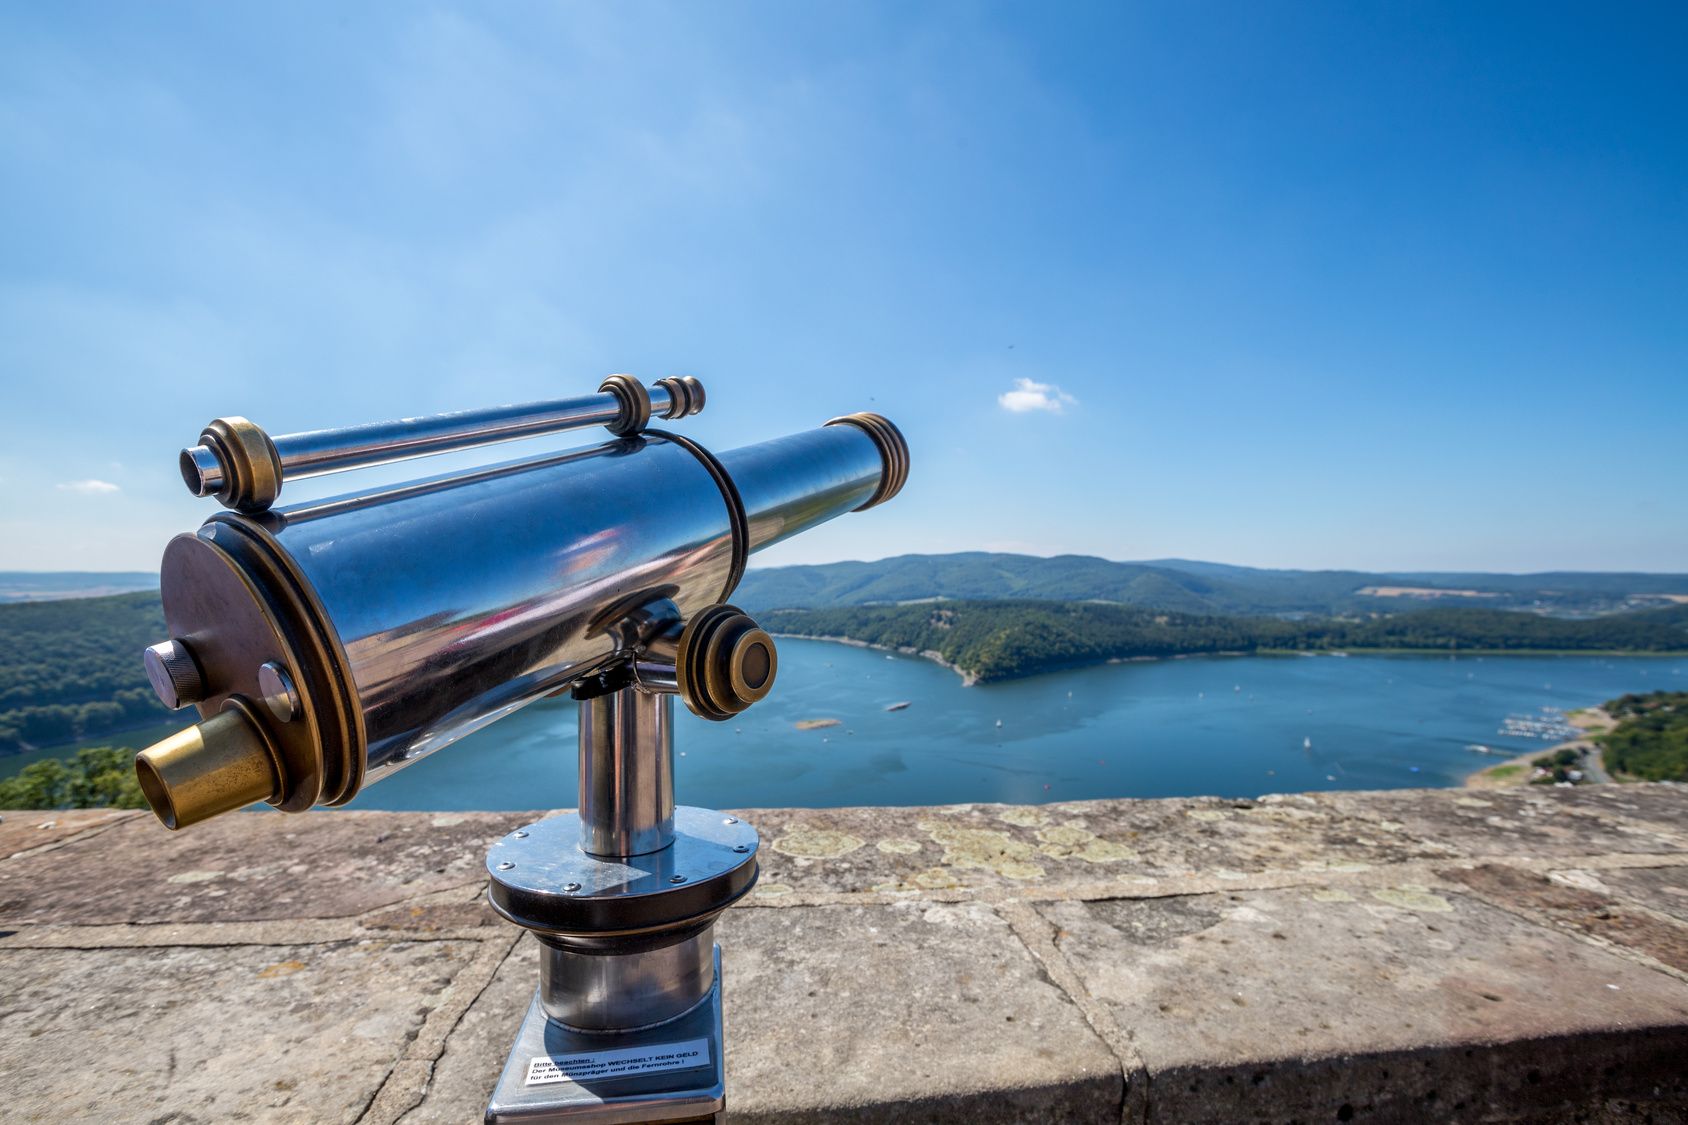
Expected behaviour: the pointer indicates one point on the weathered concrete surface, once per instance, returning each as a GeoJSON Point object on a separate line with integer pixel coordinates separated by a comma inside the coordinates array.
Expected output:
{"type": "Point", "coordinates": [253, 1031]}
{"type": "Point", "coordinates": [26, 831]}
{"type": "Point", "coordinates": [251, 867]}
{"type": "Point", "coordinates": [1406, 956]}
{"type": "Point", "coordinates": [1231, 999]}
{"type": "Point", "coordinates": [792, 973]}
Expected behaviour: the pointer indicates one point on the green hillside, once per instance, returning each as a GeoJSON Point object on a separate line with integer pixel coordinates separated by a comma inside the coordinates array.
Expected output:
{"type": "Point", "coordinates": [996, 640]}
{"type": "Point", "coordinates": [1651, 738]}
{"type": "Point", "coordinates": [1188, 587]}
{"type": "Point", "coordinates": [71, 669]}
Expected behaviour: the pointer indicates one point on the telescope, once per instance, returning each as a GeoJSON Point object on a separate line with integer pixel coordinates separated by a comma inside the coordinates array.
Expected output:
{"type": "Point", "coordinates": [328, 644]}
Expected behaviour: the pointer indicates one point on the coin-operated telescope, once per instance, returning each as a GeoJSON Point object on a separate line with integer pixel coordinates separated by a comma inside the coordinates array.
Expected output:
{"type": "Point", "coordinates": [328, 644]}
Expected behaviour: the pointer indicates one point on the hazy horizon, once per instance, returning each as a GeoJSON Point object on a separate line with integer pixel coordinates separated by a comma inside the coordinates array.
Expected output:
{"type": "Point", "coordinates": [758, 563]}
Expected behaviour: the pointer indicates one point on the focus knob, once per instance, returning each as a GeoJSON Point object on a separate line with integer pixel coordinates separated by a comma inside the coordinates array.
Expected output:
{"type": "Point", "coordinates": [174, 674]}
{"type": "Point", "coordinates": [725, 663]}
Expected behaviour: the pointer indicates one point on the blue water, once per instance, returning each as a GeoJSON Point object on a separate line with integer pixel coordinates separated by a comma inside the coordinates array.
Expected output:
{"type": "Point", "coordinates": [1229, 726]}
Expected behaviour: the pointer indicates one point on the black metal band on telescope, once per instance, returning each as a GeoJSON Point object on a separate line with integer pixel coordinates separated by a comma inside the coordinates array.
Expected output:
{"type": "Point", "coordinates": [735, 506]}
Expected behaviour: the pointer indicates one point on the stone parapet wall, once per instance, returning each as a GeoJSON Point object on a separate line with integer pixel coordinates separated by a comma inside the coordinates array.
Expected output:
{"type": "Point", "coordinates": [1434, 955]}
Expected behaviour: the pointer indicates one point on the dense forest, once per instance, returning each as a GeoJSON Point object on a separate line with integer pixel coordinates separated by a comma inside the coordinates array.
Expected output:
{"type": "Point", "coordinates": [1183, 586]}
{"type": "Point", "coordinates": [1651, 738]}
{"type": "Point", "coordinates": [72, 669]}
{"type": "Point", "coordinates": [998, 640]}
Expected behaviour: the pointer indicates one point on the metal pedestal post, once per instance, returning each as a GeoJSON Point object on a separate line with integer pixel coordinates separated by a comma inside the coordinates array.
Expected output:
{"type": "Point", "coordinates": [625, 1025]}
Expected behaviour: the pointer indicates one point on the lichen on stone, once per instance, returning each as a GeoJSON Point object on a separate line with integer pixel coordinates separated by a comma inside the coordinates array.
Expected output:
{"type": "Point", "coordinates": [1412, 897]}
{"type": "Point", "coordinates": [1062, 841]}
{"type": "Point", "coordinates": [985, 849]}
{"type": "Point", "coordinates": [808, 842]}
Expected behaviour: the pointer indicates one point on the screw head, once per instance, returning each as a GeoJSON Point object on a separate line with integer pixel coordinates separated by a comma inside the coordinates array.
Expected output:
{"type": "Point", "coordinates": [505, 866]}
{"type": "Point", "coordinates": [280, 696]}
{"type": "Point", "coordinates": [730, 820]}
{"type": "Point", "coordinates": [519, 834]}
{"type": "Point", "coordinates": [676, 878]}
{"type": "Point", "coordinates": [571, 887]}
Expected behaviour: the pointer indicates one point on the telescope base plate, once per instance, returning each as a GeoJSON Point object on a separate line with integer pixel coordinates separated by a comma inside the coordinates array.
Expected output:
{"type": "Point", "coordinates": [673, 1072]}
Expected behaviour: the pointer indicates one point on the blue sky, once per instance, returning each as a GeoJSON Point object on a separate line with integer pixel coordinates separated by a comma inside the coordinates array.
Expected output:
{"type": "Point", "coordinates": [1308, 285]}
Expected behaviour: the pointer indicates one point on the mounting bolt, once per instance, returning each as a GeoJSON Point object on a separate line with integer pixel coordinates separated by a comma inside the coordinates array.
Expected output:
{"type": "Point", "coordinates": [280, 696]}
{"type": "Point", "coordinates": [505, 866]}
{"type": "Point", "coordinates": [730, 820]}
{"type": "Point", "coordinates": [676, 878]}
{"type": "Point", "coordinates": [519, 834]}
{"type": "Point", "coordinates": [174, 674]}
{"type": "Point", "coordinates": [571, 887]}
{"type": "Point", "coordinates": [742, 848]}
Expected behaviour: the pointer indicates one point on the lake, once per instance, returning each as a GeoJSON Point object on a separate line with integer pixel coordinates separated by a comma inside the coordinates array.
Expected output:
{"type": "Point", "coordinates": [1227, 726]}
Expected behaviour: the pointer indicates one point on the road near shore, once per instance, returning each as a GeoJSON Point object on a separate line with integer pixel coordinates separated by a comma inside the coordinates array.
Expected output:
{"type": "Point", "coordinates": [1518, 771]}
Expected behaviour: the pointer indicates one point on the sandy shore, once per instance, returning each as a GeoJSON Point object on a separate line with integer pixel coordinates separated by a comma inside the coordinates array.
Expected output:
{"type": "Point", "coordinates": [1518, 771]}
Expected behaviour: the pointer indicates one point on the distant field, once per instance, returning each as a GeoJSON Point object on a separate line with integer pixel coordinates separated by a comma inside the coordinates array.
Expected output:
{"type": "Point", "coordinates": [1421, 592]}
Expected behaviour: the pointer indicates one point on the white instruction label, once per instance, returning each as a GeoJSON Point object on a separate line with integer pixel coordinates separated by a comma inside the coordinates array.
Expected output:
{"type": "Point", "coordinates": [546, 1069]}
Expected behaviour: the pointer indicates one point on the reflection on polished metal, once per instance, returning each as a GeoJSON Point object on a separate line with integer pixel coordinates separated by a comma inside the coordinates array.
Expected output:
{"type": "Point", "coordinates": [671, 1072]}
{"type": "Point", "coordinates": [626, 773]}
{"type": "Point", "coordinates": [417, 614]}
{"type": "Point", "coordinates": [331, 643]}
{"type": "Point", "coordinates": [618, 991]}
{"type": "Point", "coordinates": [244, 468]}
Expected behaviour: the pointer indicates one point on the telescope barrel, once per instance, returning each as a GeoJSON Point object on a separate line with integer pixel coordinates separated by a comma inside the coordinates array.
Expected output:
{"type": "Point", "coordinates": [365, 632]}
{"type": "Point", "coordinates": [245, 468]}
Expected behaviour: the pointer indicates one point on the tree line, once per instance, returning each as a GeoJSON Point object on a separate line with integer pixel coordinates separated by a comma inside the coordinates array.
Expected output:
{"type": "Point", "coordinates": [995, 640]}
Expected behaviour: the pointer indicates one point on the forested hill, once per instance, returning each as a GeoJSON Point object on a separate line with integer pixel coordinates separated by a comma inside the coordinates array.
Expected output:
{"type": "Point", "coordinates": [72, 669]}
{"type": "Point", "coordinates": [997, 640]}
{"type": "Point", "coordinates": [1192, 587]}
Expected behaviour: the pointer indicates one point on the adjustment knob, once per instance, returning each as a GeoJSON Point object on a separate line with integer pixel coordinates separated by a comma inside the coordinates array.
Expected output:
{"type": "Point", "coordinates": [725, 663]}
{"type": "Point", "coordinates": [174, 674]}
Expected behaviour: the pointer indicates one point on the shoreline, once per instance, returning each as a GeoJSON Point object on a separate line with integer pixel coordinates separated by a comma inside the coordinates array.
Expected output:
{"type": "Point", "coordinates": [970, 679]}
{"type": "Point", "coordinates": [1520, 770]}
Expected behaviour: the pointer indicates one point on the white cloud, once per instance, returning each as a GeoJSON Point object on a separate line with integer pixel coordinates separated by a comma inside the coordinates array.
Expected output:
{"type": "Point", "coordinates": [89, 487]}
{"type": "Point", "coordinates": [1029, 395]}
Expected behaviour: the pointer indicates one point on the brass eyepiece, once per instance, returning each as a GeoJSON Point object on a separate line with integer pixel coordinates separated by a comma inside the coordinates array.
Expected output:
{"type": "Point", "coordinates": [213, 767]}
{"type": "Point", "coordinates": [248, 468]}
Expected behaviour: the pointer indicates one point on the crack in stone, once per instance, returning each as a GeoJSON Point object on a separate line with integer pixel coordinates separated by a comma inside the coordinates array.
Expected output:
{"type": "Point", "coordinates": [1036, 934]}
